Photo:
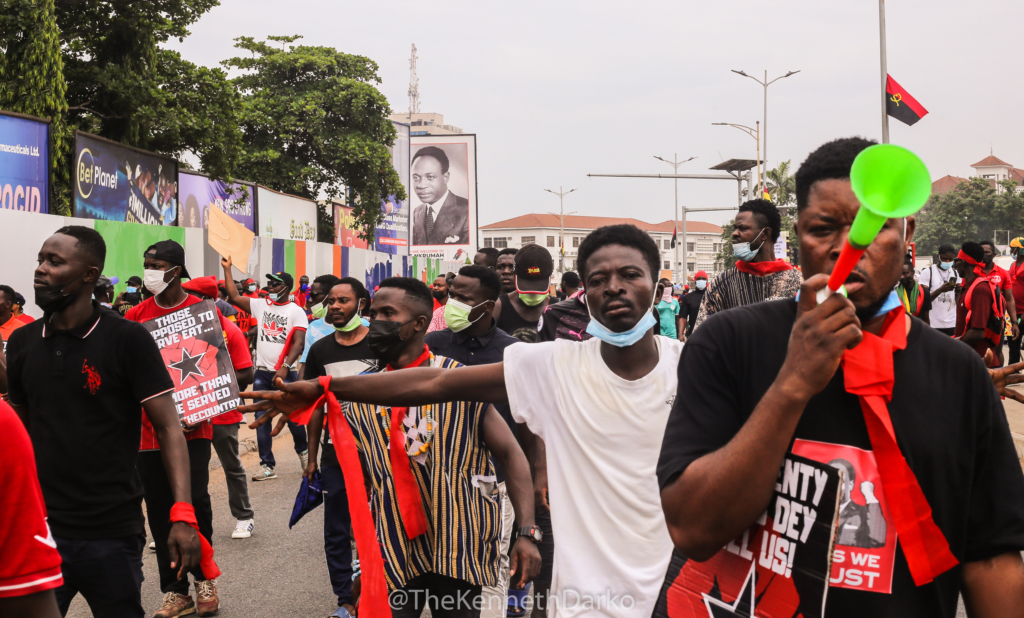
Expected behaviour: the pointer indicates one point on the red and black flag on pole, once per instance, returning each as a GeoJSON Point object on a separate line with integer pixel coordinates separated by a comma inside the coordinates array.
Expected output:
{"type": "Point", "coordinates": [900, 105]}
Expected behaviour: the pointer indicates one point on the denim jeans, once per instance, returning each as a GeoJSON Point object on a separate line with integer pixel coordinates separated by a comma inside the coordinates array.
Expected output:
{"type": "Point", "coordinates": [264, 381]}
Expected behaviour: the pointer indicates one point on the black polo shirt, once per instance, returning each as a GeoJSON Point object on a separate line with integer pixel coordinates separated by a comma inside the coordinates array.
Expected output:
{"type": "Point", "coordinates": [487, 349]}
{"type": "Point", "coordinates": [82, 389]}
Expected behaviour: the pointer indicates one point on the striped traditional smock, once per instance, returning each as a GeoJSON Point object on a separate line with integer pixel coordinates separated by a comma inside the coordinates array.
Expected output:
{"type": "Point", "coordinates": [457, 485]}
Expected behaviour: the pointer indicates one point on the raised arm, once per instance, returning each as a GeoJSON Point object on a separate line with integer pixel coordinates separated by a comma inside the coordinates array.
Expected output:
{"type": "Point", "coordinates": [722, 493]}
{"type": "Point", "coordinates": [408, 387]}
{"type": "Point", "coordinates": [234, 297]}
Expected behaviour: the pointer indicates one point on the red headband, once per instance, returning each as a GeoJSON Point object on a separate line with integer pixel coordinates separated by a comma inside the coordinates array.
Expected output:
{"type": "Point", "coordinates": [963, 256]}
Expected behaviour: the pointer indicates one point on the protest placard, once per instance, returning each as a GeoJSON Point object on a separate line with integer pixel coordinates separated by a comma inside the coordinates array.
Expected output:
{"type": "Point", "coordinates": [192, 344]}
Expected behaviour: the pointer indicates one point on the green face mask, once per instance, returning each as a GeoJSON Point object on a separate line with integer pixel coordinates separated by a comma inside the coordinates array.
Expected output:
{"type": "Point", "coordinates": [456, 315]}
{"type": "Point", "coordinates": [351, 325]}
{"type": "Point", "coordinates": [318, 310]}
{"type": "Point", "coordinates": [532, 300]}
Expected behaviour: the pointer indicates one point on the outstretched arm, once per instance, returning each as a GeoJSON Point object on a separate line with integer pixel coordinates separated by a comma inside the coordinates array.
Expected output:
{"type": "Point", "coordinates": [408, 387]}
{"type": "Point", "coordinates": [234, 297]}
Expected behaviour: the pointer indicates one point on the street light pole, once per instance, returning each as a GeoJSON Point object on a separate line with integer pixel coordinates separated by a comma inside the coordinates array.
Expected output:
{"type": "Point", "coordinates": [765, 85]}
{"type": "Point", "coordinates": [675, 163]}
{"type": "Point", "coordinates": [756, 134]}
{"type": "Point", "coordinates": [561, 219]}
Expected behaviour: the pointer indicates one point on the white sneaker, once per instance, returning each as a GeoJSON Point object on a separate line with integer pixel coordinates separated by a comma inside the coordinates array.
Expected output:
{"type": "Point", "coordinates": [152, 545]}
{"type": "Point", "coordinates": [265, 473]}
{"type": "Point", "coordinates": [243, 529]}
{"type": "Point", "coordinates": [304, 459]}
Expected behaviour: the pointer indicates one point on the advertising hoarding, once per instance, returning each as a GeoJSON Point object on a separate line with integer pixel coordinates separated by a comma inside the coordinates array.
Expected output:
{"type": "Point", "coordinates": [285, 216]}
{"type": "Point", "coordinates": [443, 196]}
{"type": "Point", "coordinates": [345, 232]}
{"type": "Point", "coordinates": [197, 193]}
{"type": "Point", "coordinates": [393, 233]}
{"type": "Point", "coordinates": [114, 182]}
{"type": "Point", "coordinates": [24, 163]}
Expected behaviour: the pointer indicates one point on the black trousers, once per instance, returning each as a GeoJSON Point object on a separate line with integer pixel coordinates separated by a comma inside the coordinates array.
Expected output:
{"type": "Point", "coordinates": [1014, 345]}
{"type": "Point", "coordinates": [446, 597]}
{"type": "Point", "coordinates": [159, 500]}
{"type": "Point", "coordinates": [108, 573]}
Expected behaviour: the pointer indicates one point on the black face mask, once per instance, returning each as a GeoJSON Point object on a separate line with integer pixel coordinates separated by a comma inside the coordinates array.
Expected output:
{"type": "Point", "coordinates": [988, 259]}
{"type": "Point", "coordinates": [438, 294]}
{"type": "Point", "coordinates": [385, 339]}
{"type": "Point", "coordinates": [52, 299]}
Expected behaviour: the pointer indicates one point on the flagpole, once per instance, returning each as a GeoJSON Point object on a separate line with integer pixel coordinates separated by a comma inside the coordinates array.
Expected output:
{"type": "Point", "coordinates": [885, 72]}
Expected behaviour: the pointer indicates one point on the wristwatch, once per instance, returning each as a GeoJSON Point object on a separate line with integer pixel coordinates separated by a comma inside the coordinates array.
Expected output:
{"type": "Point", "coordinates": [531, 532]}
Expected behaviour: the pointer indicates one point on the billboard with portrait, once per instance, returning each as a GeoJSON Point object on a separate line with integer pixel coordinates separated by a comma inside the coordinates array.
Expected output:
{"type": "Point", "coordinates": [114, 182]}
{"type": "Point", "coordinates": [24, 163]}
{"type": "Point", "coordinates": [443, 196]}
{"type": "Point", "coordinates": [197, 194]}
{"type": "Point", "coordinates": [285, 216]}
{"type": "Point", "coordinates": [393, 233]}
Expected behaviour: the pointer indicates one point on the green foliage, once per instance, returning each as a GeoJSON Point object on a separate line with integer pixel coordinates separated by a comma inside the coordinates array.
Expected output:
{"type": "Point", "coordinates": [725, 258]}
{"type": "Point", "coordinates": [313, 124]}
{"type": "Point", "coordinates": [972, 210]}
{"type": "Point", "coordinates": [781, 185]}
{"type": "Point", "coordinates": [32, 82]}
{"type": "Point", "coordinates": [123, 86]}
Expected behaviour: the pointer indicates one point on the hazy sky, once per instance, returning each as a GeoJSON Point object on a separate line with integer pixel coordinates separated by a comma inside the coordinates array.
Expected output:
{"type": "Point", "coordinates": [557, 90]}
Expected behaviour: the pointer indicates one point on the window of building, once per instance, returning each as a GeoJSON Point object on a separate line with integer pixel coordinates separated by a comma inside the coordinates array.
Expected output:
{"type": "Point", "coordinates": [576, 241]}
{"type": "Point", "coordinates": [690, 246]}
{"type": "Point", "coordinates": [667, 265]}
{"type": "Point", "coordinates": [500, 243]}
{"type": "Point", "coordinates": [487, 242]}
{"type": "Point", "coordinates": [551, 241]}
{"type": "Point", "coordinates": [691, 267]}
{"type": "Point", "coordinates": [529, 240]}
{"type": "Point", "coordinates": [666, 243]}
{"type": "Point", "coordinates": [718, 247]}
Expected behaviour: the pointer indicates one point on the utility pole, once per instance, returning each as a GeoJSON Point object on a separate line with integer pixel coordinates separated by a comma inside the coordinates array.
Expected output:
{"type": "Point", "coordinates": [765, 85]}
{"type": "Point", "coordinates": [414, 85]}
{"type": "Point", "coordinates": [675, 163]}
{"type": "Point", "coordinates": [561, 224]}
{"type": "Point", "coordinates": [756, 134]}
{"type": "Point", "coordinates": [885, 71]}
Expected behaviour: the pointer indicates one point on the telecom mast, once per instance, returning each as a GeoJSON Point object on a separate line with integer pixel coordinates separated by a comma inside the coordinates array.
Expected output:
{"type": "Point", "coordinates": [414, 85]}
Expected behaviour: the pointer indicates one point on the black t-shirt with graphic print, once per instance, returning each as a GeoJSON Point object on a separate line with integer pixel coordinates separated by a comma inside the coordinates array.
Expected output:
{"type": "Point", "coordinates": [949, 423]}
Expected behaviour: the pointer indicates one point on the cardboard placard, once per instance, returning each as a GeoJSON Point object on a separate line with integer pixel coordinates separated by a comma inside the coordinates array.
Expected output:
{"type": "Point", "coordinates": [192, 344]}
{"type": "Point", "coordinates": [229, 238]}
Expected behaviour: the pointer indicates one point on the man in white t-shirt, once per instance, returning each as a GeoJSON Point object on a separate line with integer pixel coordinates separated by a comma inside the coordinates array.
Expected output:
{"type": "Point", "coordinates": [939, 281]}
{"type": "Point", "coordinates": [280, 337]}
{"type": "Point", "coordinates": [600, 406]}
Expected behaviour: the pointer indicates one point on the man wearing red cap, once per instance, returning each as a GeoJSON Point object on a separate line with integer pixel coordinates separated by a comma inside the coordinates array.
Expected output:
{"type": "Point", "coordinates": [757, 276]}
{"type": "Point", "coordinates": [691, 303]}
{"type": "Point", "coordinates": [979, 308]}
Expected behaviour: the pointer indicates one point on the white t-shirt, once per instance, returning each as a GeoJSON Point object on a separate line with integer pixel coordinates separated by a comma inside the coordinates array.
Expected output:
{"type": "Point", "coordinates": [274, 327]}
{"type": "Point", "coordinates": [943, 312]}
{"type": "Point", "coordinates": [603, 437]}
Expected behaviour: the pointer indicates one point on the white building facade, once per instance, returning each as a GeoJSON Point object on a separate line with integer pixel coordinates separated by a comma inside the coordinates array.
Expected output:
{"type": "Point", "coordinates": [703, 240]}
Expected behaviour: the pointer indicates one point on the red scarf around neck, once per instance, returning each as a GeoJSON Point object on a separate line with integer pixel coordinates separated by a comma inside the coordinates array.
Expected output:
{"type": "Point", "coordinates": [761, 269]}
{"type": "Point", "coordinates": [868, 373]}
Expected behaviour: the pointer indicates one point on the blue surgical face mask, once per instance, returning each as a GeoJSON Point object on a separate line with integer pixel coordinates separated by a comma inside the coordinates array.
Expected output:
{"type": "Point", "coordinates": [366, 322]}
{"type": "Point", "coordinates": [945, 265]}
{"type": "Point", "coordinates": [131, 290]}
{"type": "Point", "coordinates": [742, 250]}
{"type": "Point", "coordinates": [623, 339]}
{"type": "Point", "coordinates": [701, 284]}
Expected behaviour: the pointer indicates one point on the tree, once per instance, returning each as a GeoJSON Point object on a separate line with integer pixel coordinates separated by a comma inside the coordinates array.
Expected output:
{"type": "Point", "coordinates": [123, 86]}
{"type": "Point", "coordinates": [781, 186]}
{"type": "Point", "coordinates": [970, 211]}
{"type": "Point", "coordinates": [32, 82]}
{"type": "Point", "coordinates": [314, 124]}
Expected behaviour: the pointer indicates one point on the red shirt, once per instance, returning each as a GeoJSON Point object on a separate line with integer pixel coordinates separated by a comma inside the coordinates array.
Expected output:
{"type": "Point", "coordinates": [148, 310]}
{"type": "Point", "coordinates": [1017, 281]}
{"type": "Point", "coordinates": [238, 349]}
{"type": "Point", "coordinates": [981, 313]}
{"type": "Point", "coordinates": [26, 318]}
{"type": "Point", "coordinates": [1000, 277]}
{"type": "Point", "coordinates": [30, 562]}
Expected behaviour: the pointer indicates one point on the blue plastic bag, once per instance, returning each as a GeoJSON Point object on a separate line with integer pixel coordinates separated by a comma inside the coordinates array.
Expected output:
{"type": "Point", "coordinates": [311, 495]}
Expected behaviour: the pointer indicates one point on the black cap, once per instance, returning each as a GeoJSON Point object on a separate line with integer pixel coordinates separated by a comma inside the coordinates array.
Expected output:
{"type": "Point", "coordinates": [19, 299]}
{"type": "Point", "coordinates": [169, 251]}
{"type": "Point", "coordinates": [283, 277]}
{"type": "Point", "coordinates": [533, 268]}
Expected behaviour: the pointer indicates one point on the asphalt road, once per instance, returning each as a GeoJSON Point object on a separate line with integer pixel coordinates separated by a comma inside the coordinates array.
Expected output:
{"type": "Point", "coordinates": [277, 571]}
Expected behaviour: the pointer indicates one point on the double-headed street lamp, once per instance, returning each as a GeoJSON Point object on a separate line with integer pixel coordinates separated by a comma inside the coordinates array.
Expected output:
{"type": "Point", "coordinates": [561, 219]}
{"type": "Point", "coordinates": [675, 163]}
{"type": "Point", "coordinates": [765, 84]}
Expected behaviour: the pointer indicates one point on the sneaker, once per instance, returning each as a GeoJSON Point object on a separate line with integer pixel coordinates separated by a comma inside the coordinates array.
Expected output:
{"type": "Point", "coordinates": [152, 545]}
{"type": "Point", "coordinates": [265, 473]}
{"type": "Point", "coordinates": [176, 605]}
{"type": "Point", "coordinates": [206, 598]}
{"type": "Point", "coordinates": [243, 529]}
{"type": "Point", "coordinates": [304, 459]}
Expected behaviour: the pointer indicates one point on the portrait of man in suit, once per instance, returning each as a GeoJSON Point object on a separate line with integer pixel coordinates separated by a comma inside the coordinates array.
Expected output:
{"type": "Point", "coordinates": [860, 525]}
{"type": "Point", "coordinates": [443, 217]}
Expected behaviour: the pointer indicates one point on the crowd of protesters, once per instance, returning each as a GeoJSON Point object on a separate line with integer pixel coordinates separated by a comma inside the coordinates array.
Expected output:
{"type": "Point", "coordinates": [498, 429]}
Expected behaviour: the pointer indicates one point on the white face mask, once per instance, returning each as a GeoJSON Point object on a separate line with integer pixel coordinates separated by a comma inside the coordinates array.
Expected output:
{"type": "Point", "coordinates": [154, 280]}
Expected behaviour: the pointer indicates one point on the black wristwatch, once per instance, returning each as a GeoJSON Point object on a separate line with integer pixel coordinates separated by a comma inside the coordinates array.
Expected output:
{"type": "Point", "coordinates": [531, 532]}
